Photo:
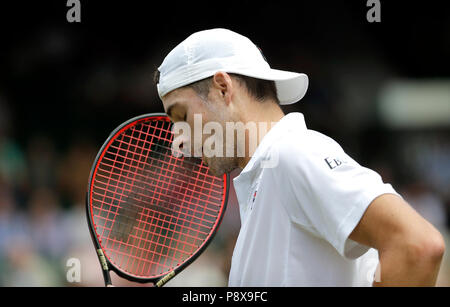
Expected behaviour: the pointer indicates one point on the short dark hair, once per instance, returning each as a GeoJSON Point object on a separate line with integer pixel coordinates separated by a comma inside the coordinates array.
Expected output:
{"type": "Point", "coordinates": [260, 89]}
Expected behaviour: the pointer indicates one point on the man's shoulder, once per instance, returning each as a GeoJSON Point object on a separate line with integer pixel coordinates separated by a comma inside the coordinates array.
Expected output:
{"type": "Point", "coordinates": [302, 144]}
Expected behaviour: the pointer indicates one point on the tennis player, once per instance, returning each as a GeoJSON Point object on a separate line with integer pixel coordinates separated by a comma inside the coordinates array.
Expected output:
{"type": "Point", "coordinates": [310, 214]}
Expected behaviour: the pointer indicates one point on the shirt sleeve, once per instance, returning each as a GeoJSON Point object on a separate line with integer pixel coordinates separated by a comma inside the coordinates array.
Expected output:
{"type": "Point", "coordinates": [328, 190]}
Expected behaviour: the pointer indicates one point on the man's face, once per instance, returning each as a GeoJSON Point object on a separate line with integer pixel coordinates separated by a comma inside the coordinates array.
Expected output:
{"type": "Point", "coordinates": [184, 105]}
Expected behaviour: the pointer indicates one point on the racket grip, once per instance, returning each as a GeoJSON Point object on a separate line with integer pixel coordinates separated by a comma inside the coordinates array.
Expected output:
{"type": "Point", "coordinates": [105, 269]}
{"type": "Point", "coordinates": [165, 279]}
{"type": "Point", "coordinates": [107, 279]}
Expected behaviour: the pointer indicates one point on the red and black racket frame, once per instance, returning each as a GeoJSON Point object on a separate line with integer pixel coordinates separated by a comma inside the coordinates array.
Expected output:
{"type": "Point", "coordinates": [105, 263]}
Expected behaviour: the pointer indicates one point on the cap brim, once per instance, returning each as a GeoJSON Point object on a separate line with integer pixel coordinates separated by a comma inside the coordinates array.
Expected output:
{"type": "Point", "coordinates": [291, 86]}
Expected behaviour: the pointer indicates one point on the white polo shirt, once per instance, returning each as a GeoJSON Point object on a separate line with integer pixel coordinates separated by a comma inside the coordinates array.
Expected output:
{"type": "Point", "coordinates": [300, 197]}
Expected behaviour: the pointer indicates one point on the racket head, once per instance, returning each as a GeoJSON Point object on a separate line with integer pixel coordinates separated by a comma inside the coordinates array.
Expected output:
{"type": "Point", "coordinates": [185, 201]}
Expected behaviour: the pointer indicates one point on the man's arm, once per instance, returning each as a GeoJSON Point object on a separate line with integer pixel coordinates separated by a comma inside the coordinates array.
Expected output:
{"type": "Point", "coordinates": [410, 248]}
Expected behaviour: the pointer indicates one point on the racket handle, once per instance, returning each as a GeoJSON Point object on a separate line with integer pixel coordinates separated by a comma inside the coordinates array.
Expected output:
{"type": "Point", "coordinates": [165, 279]}
{"type": "Point", "coordinates": [107, 279]}
{"type": "Point", "coordinates": [105, 269]}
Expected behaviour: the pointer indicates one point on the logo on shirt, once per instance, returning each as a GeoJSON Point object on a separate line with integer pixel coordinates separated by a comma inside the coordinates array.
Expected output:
{"type": "Point", "coordinates": [254, 196]}
{"type": "Point", "coordinates": [253, 199]}
{"type": "Point", "coordinates": [333, 163]}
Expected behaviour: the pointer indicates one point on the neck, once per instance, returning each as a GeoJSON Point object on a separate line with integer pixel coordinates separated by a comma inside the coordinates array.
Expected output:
{"type": "Point", "coordinates": [262, 116]}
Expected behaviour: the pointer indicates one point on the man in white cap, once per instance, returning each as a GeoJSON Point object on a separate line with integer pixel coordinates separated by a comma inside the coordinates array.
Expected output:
{"type": "Point", "coordinates": [310, 214]}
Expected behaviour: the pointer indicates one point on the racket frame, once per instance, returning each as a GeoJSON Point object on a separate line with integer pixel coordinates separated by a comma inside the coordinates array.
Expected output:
{"type": "Point", "coordinates": [106, 265]}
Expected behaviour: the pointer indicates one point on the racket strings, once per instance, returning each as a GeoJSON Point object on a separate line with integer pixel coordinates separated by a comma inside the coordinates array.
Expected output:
{"type": "Point", "coordinates": [152, 210]}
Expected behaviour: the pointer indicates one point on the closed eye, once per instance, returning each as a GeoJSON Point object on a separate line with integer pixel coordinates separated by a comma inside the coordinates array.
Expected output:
{"type": "Point", "coordinates": [176, 112]}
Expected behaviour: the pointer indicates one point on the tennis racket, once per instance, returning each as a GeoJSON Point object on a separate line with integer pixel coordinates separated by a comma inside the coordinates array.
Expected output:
{"type": "Point", "coordinates": [150, 213]}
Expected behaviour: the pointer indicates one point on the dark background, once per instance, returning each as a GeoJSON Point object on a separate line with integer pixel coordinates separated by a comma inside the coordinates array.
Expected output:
{"type": "Point", "coordinates": [46, 61]}
{"type": "Point", "coordinates": [64, 86]}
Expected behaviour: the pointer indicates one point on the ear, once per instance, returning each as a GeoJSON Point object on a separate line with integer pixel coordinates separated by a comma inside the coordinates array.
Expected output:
{"type": "Point", "coordinates": [223, 83]}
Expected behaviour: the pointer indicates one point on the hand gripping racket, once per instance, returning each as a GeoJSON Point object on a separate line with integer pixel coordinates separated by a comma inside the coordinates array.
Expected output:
{"type": "Point", "coordinates": [150, 213]}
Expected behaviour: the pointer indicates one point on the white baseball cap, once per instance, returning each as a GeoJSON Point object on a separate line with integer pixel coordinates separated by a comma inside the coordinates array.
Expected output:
{"type": "Point", "coordinates": [204, 53]}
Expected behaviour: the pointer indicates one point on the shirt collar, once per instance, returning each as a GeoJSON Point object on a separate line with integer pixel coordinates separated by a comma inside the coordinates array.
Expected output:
{"type": "Point", "coordinates": [290, 121]}
{"type": "Point", "coordinates": [244, 181]}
